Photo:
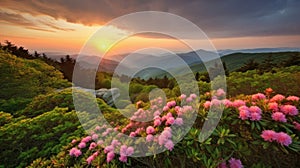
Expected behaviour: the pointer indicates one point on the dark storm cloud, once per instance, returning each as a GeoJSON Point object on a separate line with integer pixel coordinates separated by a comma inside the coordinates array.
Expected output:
{"type": "Point", "coordinates": [231, 18]}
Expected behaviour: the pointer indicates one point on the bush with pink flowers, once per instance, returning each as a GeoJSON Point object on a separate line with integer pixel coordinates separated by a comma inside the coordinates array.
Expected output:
{"type": "Point", "coordinates": [253, 129]}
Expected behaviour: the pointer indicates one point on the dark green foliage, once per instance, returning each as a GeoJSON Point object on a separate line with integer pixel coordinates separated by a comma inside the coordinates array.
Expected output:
{"type": "Point", "coordinates": [41, 136]}
{"type": "Point", "coordinates": [22, 79]}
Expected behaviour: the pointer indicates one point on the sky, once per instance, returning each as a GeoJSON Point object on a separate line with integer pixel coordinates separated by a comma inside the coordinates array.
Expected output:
{"type": "Point", "coordinates": [65, 26]}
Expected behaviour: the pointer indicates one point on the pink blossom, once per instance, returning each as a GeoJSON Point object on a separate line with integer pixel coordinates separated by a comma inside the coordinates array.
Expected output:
{"type": "Point", "coordinates": [255, 116]}
{"type": "Point", "coordinates": [115, 143]}
{"type": "Point", "coordinates": [149, 138]}
{"type": "Point", "coordinates": [277, 98]}
{"type": "Point", "coordinates": [92, 145]}
{"type": "Point", "coordinates": [258, 96]}
{"type": "Point", "coordinates": [123, 158]}
{"type": "Point", "coordinates": [178, 121]}
{"type": "Point", "coordinates": [206, 105]}
{"type": "Point", "coordinates": [170, 121]}
{"type": "Point", "coordinates": [235, 163]}
{"type": "Point", "coordinates": [292, 98]}
{"type": "Point", "coordinates": [220, 93]}
{"type": "Point", "coordinates": [162, 139]}
{"type": "Point", "coordinates": [129, 151]}
{"type": "Point", "coordinates": [150, 130]}
{"type": "Point", "coordinates": [254, 109]}
{"type": "Point", "coordinates": [110, 156]}
{"type": "Point", "coordinates": [227, 103]}
{"type": "Point", "coordinates": [74, 141]}
{"type": "Point", "coordinates": [296, 125]}
{"type": "Point", "coordinates": [95, 136]}
{"type": "Point", "coordinates": [243, 108]}
{"type": "Point", "coordinates": [81, 145]}
{"type": "Point", "coordinates": [244, 114]}
{"type": "Point", "coordinates": [215, 102]}
{"type": "Point", "coordinates": [222, 165]}
{"type": "Point", "coordinates": [157, 122]}
{"type": "Point", "coordinates": [193, 96]}
{"type": "Point", "coordinates": [169, 145]}
{"type": "Point", "coordinates": [156, 113]}
{"type": "Point", "coordinates": [75, 152]}
{"type": "Point", "coordinates": [238, 103]}
{"type": "Point", "coordinates": [189, 99]}
{"type": "Point", "coordinates": [167, 133]}
{"type": "Point", "coordinates": [132, 134]}
{"type": "Point", "coordinates": [278, 116]}
{"type": "Point", "coordinates": [109, 148]}
{"type": "Point", "coordinates": [183, 96]}
{"type": "Point", "coordinates": [171, 104]}
{"type": "Point", "coordinates": [289, 109]}
{"type": "Point", "coordinates": [86, 139]}
{"type": "Point", "coordinates": [123, 149]}
{"type": "Point", "coordinates": [90, 159]}
{"type": "Point", "coordinates": [268, 135]}
{"type": "Point", "coordinates": [97, 128]}
{"type": "Point", "coordinates": [166, 108]}
{"type": "Point", "coordinates": [177, 108]}
{"type": "Point", "coordinates": [283, 139]}
{"type": "Point", "coordinates": [273, 106]}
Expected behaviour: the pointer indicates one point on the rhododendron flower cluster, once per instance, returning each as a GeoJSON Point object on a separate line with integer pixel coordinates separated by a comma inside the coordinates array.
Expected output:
{"type": "Point", "coordinates": [157, 131]}
{"type": "Point", "coordinates": [281, 137]}
{"type": "Point", "coordinates": [233, 163]}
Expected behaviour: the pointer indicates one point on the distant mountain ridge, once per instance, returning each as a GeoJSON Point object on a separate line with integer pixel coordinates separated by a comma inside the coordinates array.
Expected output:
{"type": "Point", "coordinates": [147, 65]}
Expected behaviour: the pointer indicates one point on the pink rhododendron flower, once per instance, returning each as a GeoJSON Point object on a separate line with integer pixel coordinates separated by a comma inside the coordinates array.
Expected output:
{"type": "Point", "coordinates": [95, 136]}
{"type": "Point", "coordinates": [162, 139]}
{"type": "Point", "coordinates": [156, 113]}
{"type": "Point", "coordinates": [109, 148]}
{"type": "Point", "coordinates": [97, 128]}
{"type": "Point", "coordinates": [277, 98]}
{"type": "Point", "coordinates": [258, 96]}
{"type": "Point", "coordinates": [238, 103]}
{"type": "Point", "coordinates": [206, 105]}
{"type": "Point", "coordinates": [123, 158]}
{"type": "Point", "coordinates": [115, 143]}
{"type": "Point", "coordinates": [169, 145]}
{"type": "Point", "coordinates": [150, 130]}
{"type": "Point", "coordinates": [129, 151]}
{"type": "Point", "coordinates": [157, 122]}
{"type": "Point", "coordinates": [215, 102]}
{"type": "Point", "coordinates": [100, 142]}
{"type": "Point", "coordinates": [227, 103]}
{"type": "Point", "coordinates": [178, 121]}
{"type": "Point", "coordinates": [220, 93]}
{"type": "Point", "coordinates": [289, 109]}
{"type": "Point", "coordinates": [166, 108]}
{"type": "Point", "coordinates": [132, 134]}
{"type": "Point", "coordinates": [149, 138]}
{"type": "Point", "coordinates": [167, 133]}
{"type": "Point", "coordinates": [183, 96]}
{"type": "Point", "coordinates": [292, 98]}
{"type": "Point", "coordinates": [90, 159]}
{"type": "Point", "coordinates": [86, 139]}
{"type": "Point", "coordinates": [244, 114]}
{"type": "Point", "coordinates": [254, 109]}
{"type": "Point", "coordinates": [74, 141]}
{"type": "Point", "coordinates": [81, 145]}
{"type": "Point", "coordinates": [193, 96]}
{"type": "Point", "coordinates": [235, 163]}
{"type": "Point", "coordinates": [273, 106]}
{"type": "Point", "coordinates": [268, 135]}
{"type": "Point", "coordinates": [255, 116]}
{"type": "Point", "coordinates": [222, 165]}
{"type": "Point", "coordinates": [296, 125]}
{"type": "Point", "coordinates": [171, 104]}
{"type": "Point", "coordinates": [283, 139]}
{"type": "Point", "coordinates": [92, 145]}
{"type": "Point", "coordinates": [189, 99]}
{"type": "Point", "coordinates": [110, 156]}
{"type": "Point", "coordinates": [170, 121]}
{"type": "Point", "coordinates": [243, 108]}
{"type": "Point", "coordinates": [75, 152]}
{"type": "Point", "coordinates": [278, 116]}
